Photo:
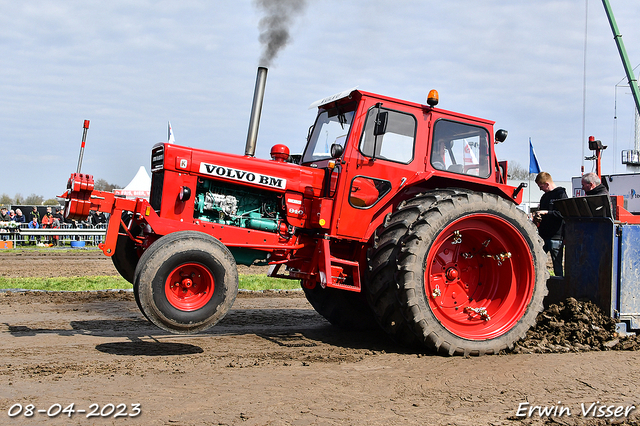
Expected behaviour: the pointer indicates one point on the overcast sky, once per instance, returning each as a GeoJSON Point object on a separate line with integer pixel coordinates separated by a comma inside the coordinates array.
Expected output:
{"type": "Point", "coordinates": [132, 66]}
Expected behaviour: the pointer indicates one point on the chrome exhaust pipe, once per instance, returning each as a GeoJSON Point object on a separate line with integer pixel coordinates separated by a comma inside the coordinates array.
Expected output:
{"type": "Point", "coordinates": [256, 110]}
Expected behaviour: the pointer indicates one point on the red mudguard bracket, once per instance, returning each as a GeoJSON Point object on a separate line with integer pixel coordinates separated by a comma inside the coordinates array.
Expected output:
{"type": "Point", "coordinates": [109, 245]}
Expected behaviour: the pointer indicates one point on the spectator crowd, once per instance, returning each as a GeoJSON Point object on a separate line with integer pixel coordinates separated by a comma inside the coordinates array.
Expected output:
{"type": "Point", "coordinates": [52, 218]}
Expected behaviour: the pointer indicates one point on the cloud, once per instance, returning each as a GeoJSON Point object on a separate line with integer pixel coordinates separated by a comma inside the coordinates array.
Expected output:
{"type": "Point", "coordinates": [130, 67]}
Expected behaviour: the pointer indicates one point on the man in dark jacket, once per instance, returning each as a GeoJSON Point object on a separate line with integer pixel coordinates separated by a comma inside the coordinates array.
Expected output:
{"type": "Point", "coordinates": [58, 216]}
{"type": "Point", "coordinates": [549, 220]}
{"type": "Point", "coordinates": [34, 213]}
{"type": "Point", "coordinates": [592, 185]}
{"type": "Point", "coordinates": [4, 215]}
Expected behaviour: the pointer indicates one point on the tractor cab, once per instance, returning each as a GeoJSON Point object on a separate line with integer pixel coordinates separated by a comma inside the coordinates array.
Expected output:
{"type": "Point", "coordinates": [376, 150]}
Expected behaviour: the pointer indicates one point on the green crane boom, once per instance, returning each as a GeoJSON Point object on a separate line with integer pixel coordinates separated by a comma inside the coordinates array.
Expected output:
{"type": "Point", "coordinates": [633, 82]}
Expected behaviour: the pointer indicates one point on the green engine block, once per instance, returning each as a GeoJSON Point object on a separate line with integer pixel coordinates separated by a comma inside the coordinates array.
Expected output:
{"type": "Point", "coordinates": [235, 205]}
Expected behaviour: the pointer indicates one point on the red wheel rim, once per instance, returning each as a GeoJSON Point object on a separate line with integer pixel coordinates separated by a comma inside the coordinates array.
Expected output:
{"type": "Point", "coordinates": [189, 286]}
{"type": "Point", "coordinates": [479, 277]}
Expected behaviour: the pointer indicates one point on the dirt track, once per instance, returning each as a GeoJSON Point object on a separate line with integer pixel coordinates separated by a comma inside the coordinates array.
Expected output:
{"type": "Point", "coordinates": [272, 360]}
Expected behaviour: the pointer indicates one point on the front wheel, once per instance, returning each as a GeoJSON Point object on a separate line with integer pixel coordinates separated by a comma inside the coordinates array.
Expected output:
{"type": "Point", "coordinates": [186, 282]}
{"type": "Point", "coordinates": [471, 274]}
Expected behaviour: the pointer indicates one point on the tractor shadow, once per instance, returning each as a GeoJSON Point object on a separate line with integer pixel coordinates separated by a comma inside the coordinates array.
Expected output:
{"type": "Point", "coordinates": [145, 348]}
{"type": "Point", "coordinates": [284, 327]}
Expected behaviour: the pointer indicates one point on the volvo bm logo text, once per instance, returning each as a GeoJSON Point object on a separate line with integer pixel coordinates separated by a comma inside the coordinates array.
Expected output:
{"type": "Point", "coordinates": [244, 176]}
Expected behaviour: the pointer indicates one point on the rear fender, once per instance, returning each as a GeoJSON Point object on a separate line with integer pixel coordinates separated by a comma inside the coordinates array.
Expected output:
{"type": "Point", "coordinates": [429, 181]}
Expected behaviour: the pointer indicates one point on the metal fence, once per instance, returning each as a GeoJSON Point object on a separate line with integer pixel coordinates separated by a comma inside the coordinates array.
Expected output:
{"type": "Point", "coordinates": [22, 235]}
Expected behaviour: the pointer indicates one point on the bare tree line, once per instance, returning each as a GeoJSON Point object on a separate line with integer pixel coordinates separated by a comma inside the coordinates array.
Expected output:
{"type": "Point", "coordinates": [39, 200]}
{"type": "Point", "coordinates": [514, 171]}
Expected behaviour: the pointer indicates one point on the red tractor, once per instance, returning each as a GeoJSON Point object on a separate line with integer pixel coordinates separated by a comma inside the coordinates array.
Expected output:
{"type": "Point", "coordinates": [396, 213]}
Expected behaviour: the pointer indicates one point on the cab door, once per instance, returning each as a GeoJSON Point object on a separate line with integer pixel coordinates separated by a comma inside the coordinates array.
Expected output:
{"type": "Point", "coordinates": [375, 168]}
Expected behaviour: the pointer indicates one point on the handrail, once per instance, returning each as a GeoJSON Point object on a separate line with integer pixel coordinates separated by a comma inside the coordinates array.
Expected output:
{"type": "Point", "coordinates": [62, 231]}
{"type": "Point", "coordinates": [22, 234]}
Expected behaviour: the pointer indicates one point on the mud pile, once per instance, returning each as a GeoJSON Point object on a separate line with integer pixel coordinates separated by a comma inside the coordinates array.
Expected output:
{"type": "Point", "coordinates": [574, 326]}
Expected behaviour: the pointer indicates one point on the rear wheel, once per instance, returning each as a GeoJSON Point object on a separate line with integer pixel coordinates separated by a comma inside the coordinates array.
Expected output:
{"type": "Point", "coordinates": [382, 289]}
{"type": "Point", "coordinates": [471, 274]}
{"type": "Point", "coordinates": [125, 257]}
{"type": "Point", "coordinates": [186, 282]}
{"type": "Point", "coordinates": [342, 308]}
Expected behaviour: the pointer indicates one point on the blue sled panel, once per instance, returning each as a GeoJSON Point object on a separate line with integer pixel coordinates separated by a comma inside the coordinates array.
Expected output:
{"type": "Point", "coordinates": [589, 262]}
{"type": "Point", "coordinates": [629, 274]}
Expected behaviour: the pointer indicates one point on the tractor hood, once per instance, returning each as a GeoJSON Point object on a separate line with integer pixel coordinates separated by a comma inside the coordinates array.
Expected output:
{"type": "Point", "coordinates": [243, 170]}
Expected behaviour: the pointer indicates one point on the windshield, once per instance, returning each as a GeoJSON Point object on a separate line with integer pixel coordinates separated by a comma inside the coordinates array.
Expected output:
{"type": "Point", "coordinates": [332, 126]}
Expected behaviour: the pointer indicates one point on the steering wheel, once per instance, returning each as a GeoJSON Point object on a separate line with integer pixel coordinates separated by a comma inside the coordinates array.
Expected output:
{"type": "Point", "coordinates": [438, 165]}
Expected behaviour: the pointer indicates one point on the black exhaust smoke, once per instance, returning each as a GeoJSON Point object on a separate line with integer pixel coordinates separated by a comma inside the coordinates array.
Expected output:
{"type": "Point", "coordinates": [274, 25]}
{"type": "Point", "coordinates": [274, 35]}
{"type": "Point", "coordinates": [256, 110]}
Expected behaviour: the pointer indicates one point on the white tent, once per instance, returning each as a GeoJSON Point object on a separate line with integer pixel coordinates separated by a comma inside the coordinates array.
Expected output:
{"type": "Point", "coordinates": [139, 187]}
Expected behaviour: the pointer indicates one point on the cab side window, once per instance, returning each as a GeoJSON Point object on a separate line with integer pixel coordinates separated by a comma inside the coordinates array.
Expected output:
{"type": "Point", "coordinates": [460, 148]}
{"type": "Point", "coordinates": [397, 141]}
{"type": "Point", "coordinates": [366, 191]}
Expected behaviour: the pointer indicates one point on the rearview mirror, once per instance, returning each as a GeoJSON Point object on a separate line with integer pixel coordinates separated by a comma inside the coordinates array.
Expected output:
{"type": "Point", "coordinates": [336, 150]}
{"type": "Point", "coordinates": [501, 135]}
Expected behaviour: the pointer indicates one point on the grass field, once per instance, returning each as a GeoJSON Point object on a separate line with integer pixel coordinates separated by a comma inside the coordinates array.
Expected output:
{"type": "Point", "coordinates": [247, 282]}
{"type": "Point", "coordinates": [88, 283]}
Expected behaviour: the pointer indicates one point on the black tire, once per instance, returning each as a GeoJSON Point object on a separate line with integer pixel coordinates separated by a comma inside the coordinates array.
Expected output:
{"type": "Point", "coordinates": [342, 308]}
{"type": "Point", "coordinates": [125, 257]}
{"type": "Point", "coordinates": [174, 278]}
{"type": "Point", "coordinates": [382, 289]}
{"type": "Point", "coordinates": [485, 249]}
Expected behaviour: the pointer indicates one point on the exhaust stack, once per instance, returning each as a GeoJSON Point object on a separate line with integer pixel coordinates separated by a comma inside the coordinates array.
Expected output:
{"type": "Point", "coordinates": [256, 110]}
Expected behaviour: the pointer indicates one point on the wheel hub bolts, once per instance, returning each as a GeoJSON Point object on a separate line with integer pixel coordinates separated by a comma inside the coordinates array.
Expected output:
{"type": "Point", "coordinates": [452, 274]}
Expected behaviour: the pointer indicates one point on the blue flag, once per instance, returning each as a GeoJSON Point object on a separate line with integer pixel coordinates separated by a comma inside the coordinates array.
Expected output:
{"type": "Point", "coordinates": [534, 167]}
